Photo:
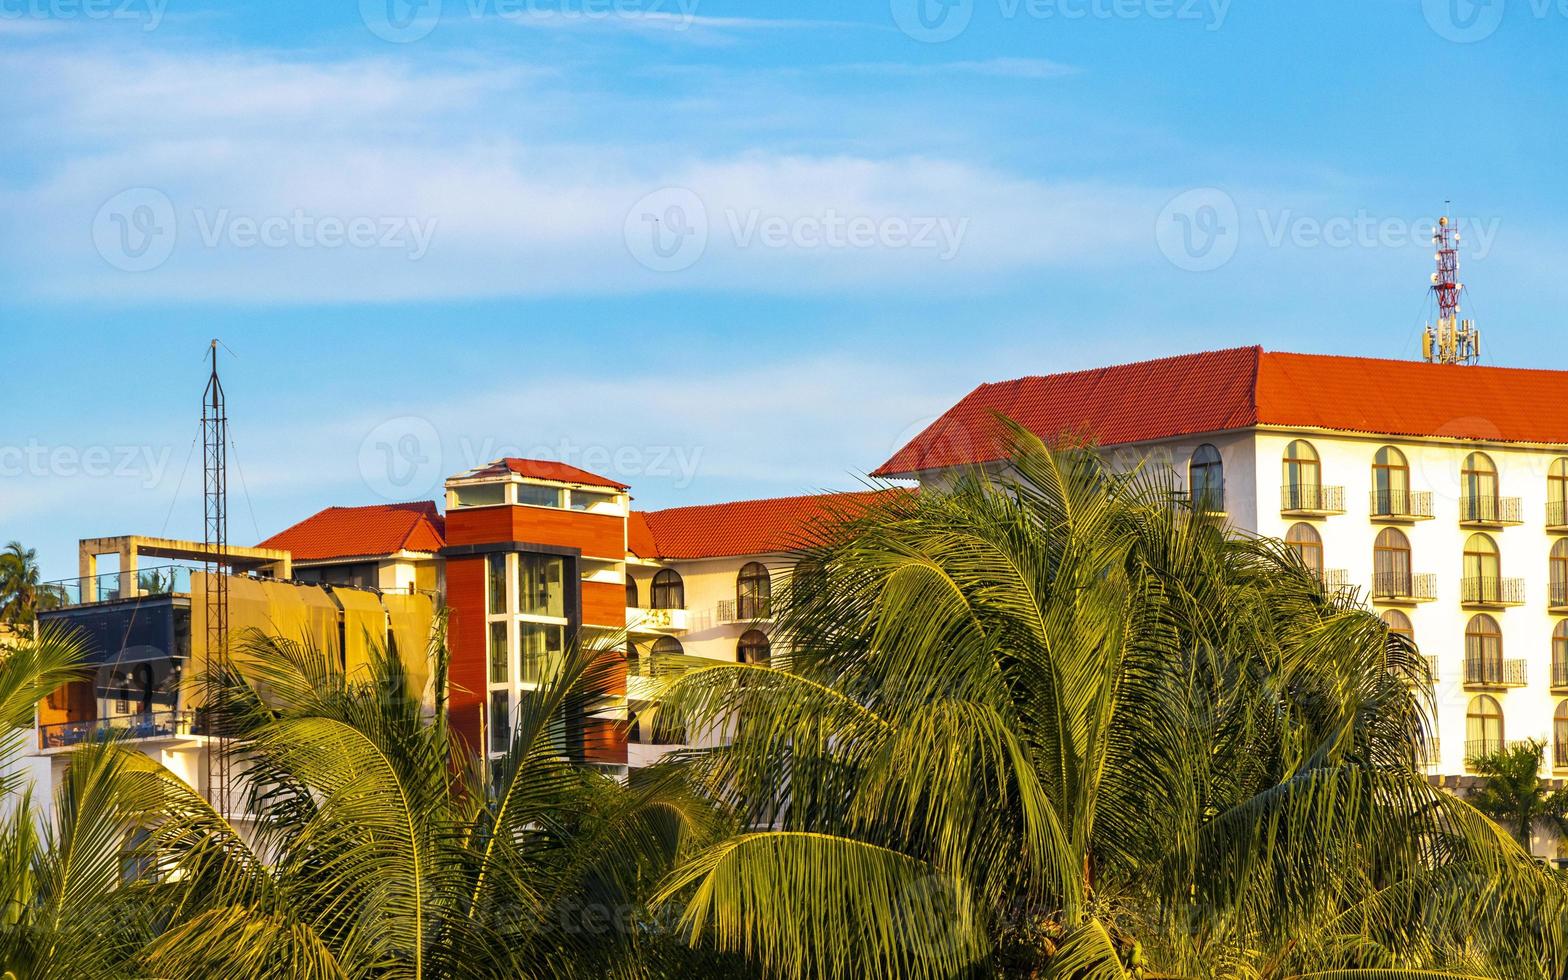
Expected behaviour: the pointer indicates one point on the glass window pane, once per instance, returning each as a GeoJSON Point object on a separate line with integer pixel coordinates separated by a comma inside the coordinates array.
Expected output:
{"type": "Point", "coordinates": [585, 499]}
{"type": "Point", "coordinates": [538, 496]}
{"type": "Point", "coordinates": [497, 575]}
{"type": "Point", "coordinates": [500, 661]}
{"type": "Point", "coordinates": [539, 649]}
{"type": "Point", "coordinates": [481, 495]}
{"type": "Point", "coordinates": [539, 590]}
{"type": "Point", "coordinates": [500, 721]}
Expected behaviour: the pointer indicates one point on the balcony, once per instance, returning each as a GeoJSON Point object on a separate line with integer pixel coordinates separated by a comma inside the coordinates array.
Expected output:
{"type": "Point", "coordinates": [153, 726]}
{"type": "Point", "coordinates": [656, 622]}
{"type": "Point", "coordinates": [1209, 502]}
{"type": "Point", "coordinates": [1429, 660]}
{"type": "Point", "coordinates": [1491, 593]}
{"type": "Point", "coordinates": [1309, 500]}
{"type": "Point", "coordinates": [1557, 515]}
{"type": "Point", "coordinates": [1560, 754]}
{"type": "Point", "coordinates": [1557, 597]}
{"type": "Point", "coordinates": [1429, 754]}
{"type": "Point", "coordinates": [747, 610]}
{"type": "Point", "coordinates": [1489, 512]}
{"type": "Point", "coordinates": [1401, 506]}
{"type": "Point", "coordinates": [1476, 748]}
{"type": "Point", "coordinates": [1490, 673]}
{"type": "Point", "coordinates": [1559, 676]}
{"type": "Point", "coordinates": [1403, 588]}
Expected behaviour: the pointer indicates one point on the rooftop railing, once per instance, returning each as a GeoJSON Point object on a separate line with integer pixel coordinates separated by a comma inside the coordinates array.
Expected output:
{"type": "Point", "coordinates": [109, 586]}
{"type": "Point", "coordinates": [154, 724]}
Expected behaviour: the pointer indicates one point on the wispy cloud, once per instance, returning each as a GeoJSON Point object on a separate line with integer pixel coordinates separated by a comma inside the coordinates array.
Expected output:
{"type": "Point", "coordinates": [1025, 68]}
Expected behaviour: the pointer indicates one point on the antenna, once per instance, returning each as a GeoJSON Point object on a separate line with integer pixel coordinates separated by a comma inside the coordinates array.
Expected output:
{"type": "Point", "coordinates": [215, 538]}
{"type": "Point", "coordinates": [1451, 340]}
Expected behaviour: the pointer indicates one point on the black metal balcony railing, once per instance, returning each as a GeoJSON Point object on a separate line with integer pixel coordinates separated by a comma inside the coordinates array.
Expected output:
{"type": "Point", "coordinates": [156, 724]}
{"type": "Point", "coordinates": [1476, 748]}
{"type": "Point", "coordinates": [1429, 753]}
{"type": "Point", "coordinates": [1557, 513]}
{"type": "Point", "coordinates": [1489, 591]}
{"type": "Point", "coordinates": [1309, 498]}
{"type": "Point", "coordinates": [1404, 586]}
{"type": "Point", "coordinates": [1206, 500]}
{"type": "Point", "coordinates": [1558, 596]}
{"type": "Point", "coordinates": [1560, 754]}
{"type": "Point", "coordinates": [1496, 672]}
{"type": "Point", "coordinates": [1489, 510]}
{"type": "Point", "coordinates": [1559, 674]}
{"type": "Point", "coordinates": [1403, 504]}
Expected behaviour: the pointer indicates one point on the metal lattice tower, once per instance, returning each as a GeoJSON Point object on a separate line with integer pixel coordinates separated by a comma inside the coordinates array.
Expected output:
{"type": "Point", "coordinates": [1450, 340]}
{"type": "Point", "coordinates": [215, 536]}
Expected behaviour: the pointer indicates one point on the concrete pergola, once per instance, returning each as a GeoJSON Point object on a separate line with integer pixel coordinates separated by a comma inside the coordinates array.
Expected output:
{"type": "Point", "coordinates": [131, 547]}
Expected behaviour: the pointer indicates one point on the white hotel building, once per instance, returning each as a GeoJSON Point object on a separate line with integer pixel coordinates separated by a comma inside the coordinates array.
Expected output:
{"type": "Point", "coordinates": [1440, 492]}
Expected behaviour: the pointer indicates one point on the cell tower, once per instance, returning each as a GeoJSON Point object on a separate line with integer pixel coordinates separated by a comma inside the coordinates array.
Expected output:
{"type": "Point", "coordinates": [215, 538]}
{"type": "Point", "coordinates": [1450, 340]}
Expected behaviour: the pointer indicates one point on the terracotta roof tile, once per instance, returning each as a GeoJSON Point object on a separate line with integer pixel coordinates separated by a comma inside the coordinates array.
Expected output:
{"type": "Point", "coordinates": [545, 469]}
{"type": "Point", "coordinates": [748, 527]}
{"type": "Point", "coordinates": [352, 532]}
{"type": "Point", "coordinates": [1243, 387]}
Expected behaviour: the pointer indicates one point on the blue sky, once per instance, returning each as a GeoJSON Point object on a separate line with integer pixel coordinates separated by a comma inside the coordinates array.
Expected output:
{"type": "Point", "coordinates": [427, 233]}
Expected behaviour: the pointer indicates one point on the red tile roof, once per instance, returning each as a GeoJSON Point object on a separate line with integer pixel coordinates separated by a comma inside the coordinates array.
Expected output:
{"type": "Point", "coordinates": [746, 527]}
{"type": "Point", "coordinates": [639, 538]}
{"type": "Point", "coordinates": [545, 469]}
{"type": "Point", "coordinates": [354, 532]}
{"type": "Point", "coordinates": [1243, 387]}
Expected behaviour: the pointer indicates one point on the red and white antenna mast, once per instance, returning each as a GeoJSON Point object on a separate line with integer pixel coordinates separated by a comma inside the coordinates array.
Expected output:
{"type": "Point", "coordinates": [1450, 340]}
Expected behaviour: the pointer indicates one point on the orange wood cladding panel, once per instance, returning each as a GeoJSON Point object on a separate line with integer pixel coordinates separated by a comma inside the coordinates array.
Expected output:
{"type": "Point", "coordinates": [465, 598]}
{"type": "Point", "coordinates": [595, 535]}
{"type": "Point", "coordinates": [604, 604]}
{"type": "Point", "coordinates": [604, 741]}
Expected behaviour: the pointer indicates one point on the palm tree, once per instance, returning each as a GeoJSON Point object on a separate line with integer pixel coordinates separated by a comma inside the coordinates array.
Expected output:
{"type": "Point", "coordinates": [1513, 793]}
{"type": "Point", "coordinates": [374, 848]}
{"type": "Point", "coordinates": [22, 594]}
{"type": "Point", "coordinates": [1063, 726]}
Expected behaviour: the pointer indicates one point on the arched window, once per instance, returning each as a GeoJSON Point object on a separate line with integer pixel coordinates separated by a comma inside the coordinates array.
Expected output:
{"type": "Point", "coordinates": [1478, 488]}
{"type": "Point", "coordinates": [1305, 541]}
{"type": "Point", "coordinates": [753, 648]}
{"type": "Point", "coordinates": [1558, 565]}
{"type": "Point", "coordinates": [1483, 651]}
{"type": "Point", "coordinates": [1302, 477]}
{"type": "Point", "coordinates": [669, 590]}
{"type": "Point", "coordinates": [1483, 727]}
{"type": "Point", "coordinates": [753, 591]}
{"type": "Point", "coordinates": [1560, 735]}
{"type": "Point", "coordinates": [1398, 622]}
{"type": "Point", "coordinates": [1206, 479]}
{"type": "Point", "coordinates": [631, 592]}
{"type": "Point", "coordinates": [1390, 483]}
{"type": "Point", "coordinates": [1557, 493]}
{"type": "Point", "coordinates": [667, 646]}
{"type": "Point", "coordinates": [1483, 570]}
{"type": "Point", "coordinates": [1560, 655]}
{"type": "Point", "coordinates": [1391, 577]}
